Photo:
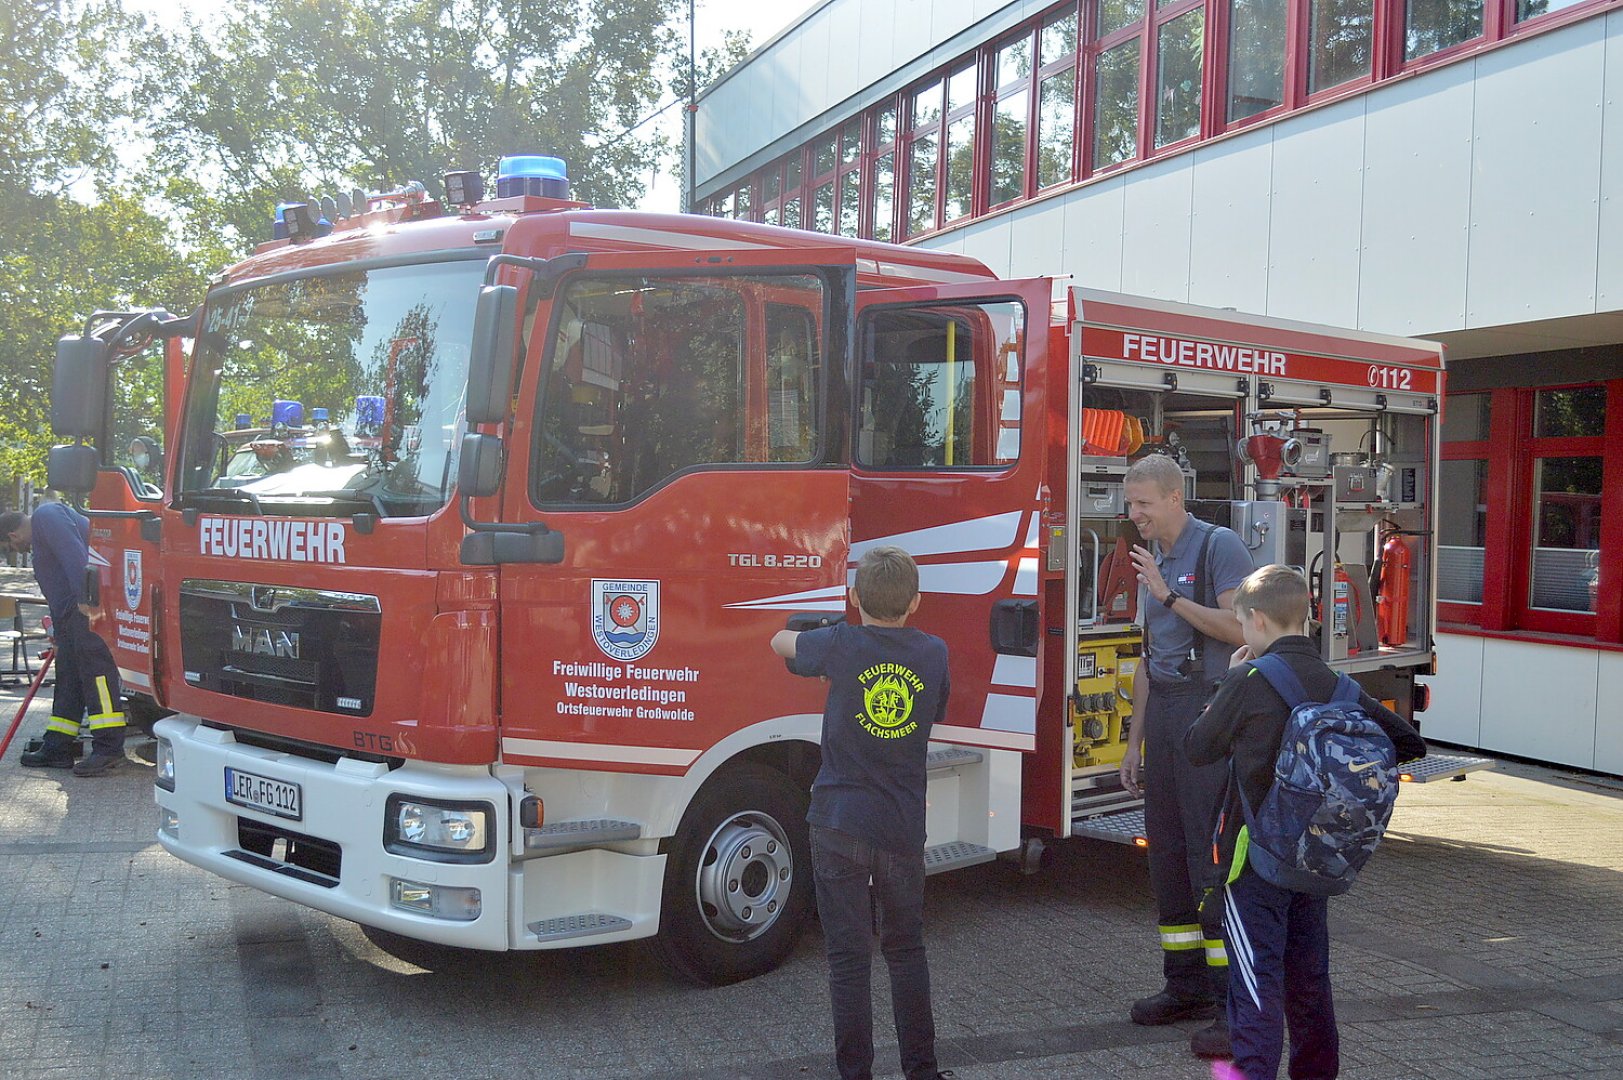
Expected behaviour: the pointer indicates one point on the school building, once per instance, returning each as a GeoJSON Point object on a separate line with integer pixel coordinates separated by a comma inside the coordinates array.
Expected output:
{"type": "Point", "coordinates": [1451, 169]}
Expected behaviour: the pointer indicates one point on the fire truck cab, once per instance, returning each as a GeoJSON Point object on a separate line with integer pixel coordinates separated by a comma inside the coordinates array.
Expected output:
{"type": "Point", "coordinates": [478, 520]}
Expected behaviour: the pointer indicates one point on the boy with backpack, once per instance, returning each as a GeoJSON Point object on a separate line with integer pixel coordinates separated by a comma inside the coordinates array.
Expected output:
{"type": "Point", "coordinates": [887, 686]}
{"type": "Point", "coordinates": [1310, 791]}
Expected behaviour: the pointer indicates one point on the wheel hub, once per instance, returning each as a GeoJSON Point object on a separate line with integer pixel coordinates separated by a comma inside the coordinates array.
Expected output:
{"type": "Point", "coordinates": [745, 876]}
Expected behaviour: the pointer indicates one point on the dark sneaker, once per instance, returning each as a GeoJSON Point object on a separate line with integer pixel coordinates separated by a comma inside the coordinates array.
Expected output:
{"type": "Point", "coordinates": [1168, 1008]}
{"type": "Point", "coordinates": [1212, 1041]}
{"type": "Point", "coordinates": [48, 757]}
{"type": "Point", "coordinates": [97, 763]}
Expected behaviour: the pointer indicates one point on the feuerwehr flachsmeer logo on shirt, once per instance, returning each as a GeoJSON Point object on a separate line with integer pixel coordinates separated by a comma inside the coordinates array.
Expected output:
{"type": "Point", "coordinates": [888, 691]}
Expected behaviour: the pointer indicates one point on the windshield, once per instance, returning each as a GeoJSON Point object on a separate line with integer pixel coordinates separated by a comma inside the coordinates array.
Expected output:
{"type": "Point", "coordinates": [333, 394]}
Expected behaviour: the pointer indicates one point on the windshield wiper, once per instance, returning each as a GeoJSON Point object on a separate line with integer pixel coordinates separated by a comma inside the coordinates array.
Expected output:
{"type": "Point", "coordinates": [352, 498]}
{"type": "Point", "coordinates": [231, 494]}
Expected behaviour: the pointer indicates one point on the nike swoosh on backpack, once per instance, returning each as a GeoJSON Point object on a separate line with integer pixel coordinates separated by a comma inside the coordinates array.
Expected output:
{"type": "Point", "coordinates": [1361, 768]}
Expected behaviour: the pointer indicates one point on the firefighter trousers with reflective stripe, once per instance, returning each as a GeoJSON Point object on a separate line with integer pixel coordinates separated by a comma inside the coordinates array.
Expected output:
{"type": "Point", "coordinates": [1180, 805]}
{"type": "Point", "coordinates": [87, 686]}
{"type": "Point", "coordinates": [1279, 975]}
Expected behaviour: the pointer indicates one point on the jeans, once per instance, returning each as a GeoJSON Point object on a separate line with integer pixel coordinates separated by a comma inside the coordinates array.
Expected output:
{"type": "Point", "coordinates": [861, 887]}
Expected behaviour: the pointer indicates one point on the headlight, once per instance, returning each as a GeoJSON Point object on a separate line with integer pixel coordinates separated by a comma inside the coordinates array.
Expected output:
{"type": "Point", "coordinates": [164, 775]}
{"type": "Point", "coordinates": [442, 831]}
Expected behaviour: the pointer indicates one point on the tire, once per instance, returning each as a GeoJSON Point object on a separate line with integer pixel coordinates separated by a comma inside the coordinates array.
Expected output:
{"type": "Point", "coordinates": [738, 881]}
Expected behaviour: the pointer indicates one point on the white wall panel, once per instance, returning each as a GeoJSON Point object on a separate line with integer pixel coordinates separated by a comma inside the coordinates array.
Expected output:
{"type": "Point", "coordinates": [948, 17]}
{"type": "Point", "coordinates": [1609, 274]}
{"type": "Point", "coordinates": [1535, 186]}
{"type": "Point", "coordinates": [875, 39]}
{"type": "Point", "coordinates": [1455, 715]}
{"type": "Point", "coordinates": [990, 244]}
{"type": "Point", "coordinates": [1228, 256]}
{"type": "Point", "coordinates": [1417, 203]}
{"type": "Point", "coordinates": [1155, 230]}
{"type": "Point", "coordinates": [815, 45]}
{"type": "Point", "coordinates": [845, 74]}
{"type": "Point", "coordinates": [1314, 230]}
{"type": "Point", "coordinates": [911, 30]}
{"type": "Point", "coordinates": [1539, 701]}
{"type": "Point", "coordinates": [781, 69]}
{"type": "Point", "coordinates": [1609, 715]}
{"type": "Point", "coordinates": [1093, 234]}
{"type": "Point", "coordinates": [1037, 241]}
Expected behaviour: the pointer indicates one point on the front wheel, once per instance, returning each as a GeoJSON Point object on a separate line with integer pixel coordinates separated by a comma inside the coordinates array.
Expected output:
{"type": "Point", "coordinates": [738, 878]}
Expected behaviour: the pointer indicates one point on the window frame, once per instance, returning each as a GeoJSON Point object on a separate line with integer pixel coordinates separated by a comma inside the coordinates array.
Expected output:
{"type": "Point", "coordinates": [859, 362]}
{"type": "Point", "coordinates": [1513, 457]}
{"type": "Point", "coordinates": [824, 450]}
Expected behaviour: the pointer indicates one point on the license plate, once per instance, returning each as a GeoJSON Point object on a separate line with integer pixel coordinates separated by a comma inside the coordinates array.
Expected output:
{"type": "Point", "coordinates": [277, 797]}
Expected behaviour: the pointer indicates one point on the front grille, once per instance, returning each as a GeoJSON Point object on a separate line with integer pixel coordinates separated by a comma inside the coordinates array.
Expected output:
{"type": "Point", "coordinates": [306, 648]}
{"type": "Point", "coordinates": [272, 847]}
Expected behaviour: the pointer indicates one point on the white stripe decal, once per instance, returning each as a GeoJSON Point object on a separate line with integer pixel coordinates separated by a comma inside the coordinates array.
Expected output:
{"type": "Point", "coordinates": [969, 736]}
{"type": "Point", "coordinates": [98, 559]}
{"type": "Point", "coordinates": [625, 755]}
{"type": "Point", "coordinates": [134, 678]}
{"type": "Point", "coordinates": [1025, 579]}
{"type": "Point", "coordinates": [1005, 712]}
{"type": "Point", "coordinates": [978, 534]}
{"type": "Point", "coordinates": [1034, 533]}
{"type": "Point", "coordinates": [829, 598]}
{"type": "Point", "coordinates": [1015, 671]}
{"type": "Point", "coordinates": [962, 579]}
{"type": "Point", "coordinates": [631, 234]}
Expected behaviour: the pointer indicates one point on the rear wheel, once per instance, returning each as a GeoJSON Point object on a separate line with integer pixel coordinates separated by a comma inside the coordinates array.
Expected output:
{"type": "Point", "coordinates": [738, 878]}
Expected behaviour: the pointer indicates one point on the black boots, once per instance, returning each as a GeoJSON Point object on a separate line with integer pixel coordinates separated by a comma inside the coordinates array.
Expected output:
{"type": "Point", "coordinates": [54, 751]}
{"type": "Point", "coordinates": [106, 752]}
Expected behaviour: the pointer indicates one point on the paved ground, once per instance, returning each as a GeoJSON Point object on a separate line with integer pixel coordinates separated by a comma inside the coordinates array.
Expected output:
{"type": "Point", "coordinates": [1484, 941]}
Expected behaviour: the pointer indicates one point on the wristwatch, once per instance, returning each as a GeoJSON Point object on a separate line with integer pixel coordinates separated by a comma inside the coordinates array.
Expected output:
{"type": "Point", "coordinates": [1173, 596]}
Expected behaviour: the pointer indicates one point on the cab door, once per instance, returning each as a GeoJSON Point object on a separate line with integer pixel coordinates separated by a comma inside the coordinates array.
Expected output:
{"type": "Point", "coordinates": [124, 507]}
{"type": "Point", "coordinates": [679, 415]}
{"type": "Point", "coordinates": [947, 463]}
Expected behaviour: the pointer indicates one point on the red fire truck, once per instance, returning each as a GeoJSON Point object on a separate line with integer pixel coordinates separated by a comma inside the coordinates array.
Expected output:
{"type": "Point", "coordinates": [477, 519]}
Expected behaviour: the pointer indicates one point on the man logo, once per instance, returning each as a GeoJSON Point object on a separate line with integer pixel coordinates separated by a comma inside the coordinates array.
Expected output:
{"type": "Point", "coordinates": [262, 642]}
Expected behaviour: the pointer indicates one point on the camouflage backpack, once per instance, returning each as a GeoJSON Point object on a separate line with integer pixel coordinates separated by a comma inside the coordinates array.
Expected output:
{"type": "Point", "coordinates": [1335, 781]}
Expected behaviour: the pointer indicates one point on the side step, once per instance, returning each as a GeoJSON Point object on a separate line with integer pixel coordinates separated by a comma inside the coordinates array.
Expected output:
{"type": "Point", "coordinates": [1118, 827]}
{"type": "Point", "coordinates": [1442, 767]}
{"type": "Point", "coordinates": [566, 834]}
{"type": "Point", "coordinates": [1127, 826]}
{"type": "Point", "coordinates": [951, 757]}
{"type": "Point", "coordinates": [589, 924]}
{"type": "Point", "coordinates": [955, 855]}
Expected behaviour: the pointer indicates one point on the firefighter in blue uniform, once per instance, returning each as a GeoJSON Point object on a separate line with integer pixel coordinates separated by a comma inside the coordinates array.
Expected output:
{"type": "Point", "coordinates": [1188, 584]}
{"type": "Point", "coordinates": [87, 686]}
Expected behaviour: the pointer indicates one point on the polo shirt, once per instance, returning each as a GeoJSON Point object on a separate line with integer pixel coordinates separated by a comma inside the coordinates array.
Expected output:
{"type": "Point", "coordinates": [1171, 638]}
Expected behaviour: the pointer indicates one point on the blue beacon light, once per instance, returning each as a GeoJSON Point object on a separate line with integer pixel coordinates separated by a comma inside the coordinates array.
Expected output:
{"type": "Point", "coordinates": [532, 174]}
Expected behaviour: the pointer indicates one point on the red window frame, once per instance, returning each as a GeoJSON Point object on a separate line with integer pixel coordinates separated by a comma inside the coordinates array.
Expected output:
{"type": "Point", "coordinates": [1513, 455]}
{"type": "Point", "coordinates": [912, 132]}
{"type": "Point", "coordinates": [870, 169]}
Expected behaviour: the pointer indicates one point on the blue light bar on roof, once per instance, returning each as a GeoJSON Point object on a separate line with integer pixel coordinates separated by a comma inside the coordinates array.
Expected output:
{"type": "Point", "coordinates": [290, 413]}
{"type": "Point", "coordinates": [532, 174]}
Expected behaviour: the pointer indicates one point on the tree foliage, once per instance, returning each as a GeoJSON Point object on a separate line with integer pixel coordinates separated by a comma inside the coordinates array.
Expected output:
{"type": "Point", "coordinates": [281, 97]}
{"type": "Point", "coordinates": [136, 161]}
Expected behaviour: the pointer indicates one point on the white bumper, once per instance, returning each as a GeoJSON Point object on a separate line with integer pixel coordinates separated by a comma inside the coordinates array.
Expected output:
{"type": "Point", "coordinates": [344, 803]}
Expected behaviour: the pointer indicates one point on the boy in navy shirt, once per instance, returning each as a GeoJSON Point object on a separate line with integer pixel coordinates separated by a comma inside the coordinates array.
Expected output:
{"type": "Point", "coordinates": [887, 687]}
{"type": "Point", "coordinates": [1279, 940]}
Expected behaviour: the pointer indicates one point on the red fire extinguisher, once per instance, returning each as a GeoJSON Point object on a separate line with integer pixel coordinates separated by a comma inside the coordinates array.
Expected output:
{"type": "Point", "coordinates": [1392, 612]}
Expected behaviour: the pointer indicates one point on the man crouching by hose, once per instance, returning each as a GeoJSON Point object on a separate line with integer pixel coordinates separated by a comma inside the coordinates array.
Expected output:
{"type": "Point", "coordinates": [87, 687]}
{"type": "Point", "coordinates": [1187, 587]}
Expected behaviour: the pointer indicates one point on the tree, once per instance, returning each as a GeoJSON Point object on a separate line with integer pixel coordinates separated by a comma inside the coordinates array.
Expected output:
{"type": "Point", "coordinates": [282, 97]}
